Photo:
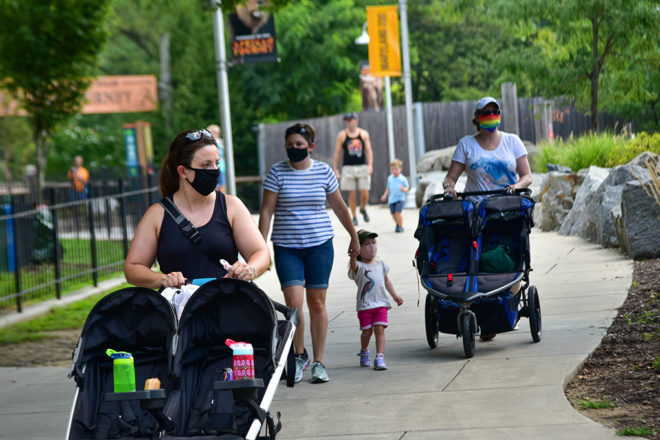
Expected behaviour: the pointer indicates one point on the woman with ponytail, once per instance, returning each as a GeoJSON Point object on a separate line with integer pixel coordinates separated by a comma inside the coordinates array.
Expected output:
{"type": "Point", "coordinates": [188, 177]}
{"type": "Point", "coordinates": [492, 159]}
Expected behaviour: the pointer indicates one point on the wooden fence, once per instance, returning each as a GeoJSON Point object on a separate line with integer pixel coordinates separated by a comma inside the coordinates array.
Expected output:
{"type": "Point", "coordinates": [444, 124]}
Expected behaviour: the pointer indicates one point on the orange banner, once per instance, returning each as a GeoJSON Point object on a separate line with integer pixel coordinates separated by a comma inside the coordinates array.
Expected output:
{"type": "Point", "coordinates": [108, 94]}
{"type": "Point", "coordinates": [384, 48]}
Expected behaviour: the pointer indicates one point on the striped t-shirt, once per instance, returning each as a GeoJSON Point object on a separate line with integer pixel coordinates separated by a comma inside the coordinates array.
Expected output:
{"type": "Point", "coordinates": [301, 220]}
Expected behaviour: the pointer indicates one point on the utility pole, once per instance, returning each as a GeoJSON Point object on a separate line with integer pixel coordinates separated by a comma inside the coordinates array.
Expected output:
{"type": "Point", "coordinates": [223, 92]}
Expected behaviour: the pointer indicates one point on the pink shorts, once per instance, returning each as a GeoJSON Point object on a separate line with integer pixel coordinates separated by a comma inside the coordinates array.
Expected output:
{"type": "Point", "coordinates": [370, 317]}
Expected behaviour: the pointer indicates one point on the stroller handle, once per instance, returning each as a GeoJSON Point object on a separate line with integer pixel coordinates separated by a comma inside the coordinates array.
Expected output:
{"type": "Point", "coordinates": [462, 195]}
{"type": "Point", "coordinates": [289, 313]}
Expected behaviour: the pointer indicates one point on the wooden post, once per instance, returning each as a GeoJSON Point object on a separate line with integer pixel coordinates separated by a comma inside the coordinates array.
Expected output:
{"type": "Point", "coordinates": [509, 108]}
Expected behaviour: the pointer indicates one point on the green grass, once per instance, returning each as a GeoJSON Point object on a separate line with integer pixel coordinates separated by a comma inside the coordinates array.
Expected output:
{"type": "Point", "coordinates": [68, 317]}
{"type": "Point", "coordinates": [587, 403]}
{"type": "Point", "coordinates": [603, 149]}
{"type": "Point", "coordinates": [638, 431]}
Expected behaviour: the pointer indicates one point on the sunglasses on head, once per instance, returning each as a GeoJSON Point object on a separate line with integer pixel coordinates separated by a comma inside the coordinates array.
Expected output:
{"type": "Point", "coordinates": [299, 130]}
{"type": "Point", "coordinates": [489, 112]}
{"type": "Point", "coordinates": [198, 134]}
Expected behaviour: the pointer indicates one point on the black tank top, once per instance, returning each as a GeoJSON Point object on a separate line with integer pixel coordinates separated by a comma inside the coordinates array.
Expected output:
{"type": "Point", "coordinates": [176, 253]}
{"type": "Point", "coordinates": [354, 150]}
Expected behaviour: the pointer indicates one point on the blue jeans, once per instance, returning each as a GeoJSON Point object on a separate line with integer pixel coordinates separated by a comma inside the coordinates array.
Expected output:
{"type": "Point", "coordinates": [309, 267]}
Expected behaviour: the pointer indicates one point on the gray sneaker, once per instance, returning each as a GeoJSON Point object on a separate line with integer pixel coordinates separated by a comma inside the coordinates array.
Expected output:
{"type": "Point", "coordinates": [302, 362]}
{"type": "Point", "coordinates": [319, 374]}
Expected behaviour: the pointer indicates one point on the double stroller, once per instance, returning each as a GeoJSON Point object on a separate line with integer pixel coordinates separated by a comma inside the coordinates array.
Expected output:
{"type": "Point", "coordinates": [469, 258]}
{"type": "Point", "coordinates": [189, 357]}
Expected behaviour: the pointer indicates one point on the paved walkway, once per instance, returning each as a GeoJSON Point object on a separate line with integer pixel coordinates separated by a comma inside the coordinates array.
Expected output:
{"type": "Point", "coordinates": [511, 389]}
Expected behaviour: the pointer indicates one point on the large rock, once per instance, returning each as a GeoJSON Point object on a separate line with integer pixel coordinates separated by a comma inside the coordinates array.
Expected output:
{"type": "Point", "coordinates": [435, 160]}
{"type": "Point", "coordinates": [608, 196]}
{"type": "Point", "coordinates": [637, 220]}
{"type": "Point", "coordinates": [579, 220]}
{"type": "Point", "coordinates": [557, 196]}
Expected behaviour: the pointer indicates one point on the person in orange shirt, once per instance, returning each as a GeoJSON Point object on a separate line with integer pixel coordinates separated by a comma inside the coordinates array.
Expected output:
{"type": "Point", "coordinates": [78, 176]}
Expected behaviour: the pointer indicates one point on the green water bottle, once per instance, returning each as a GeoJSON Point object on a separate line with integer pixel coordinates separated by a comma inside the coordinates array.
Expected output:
{"type": "Point", "coordinates": [123, 370]}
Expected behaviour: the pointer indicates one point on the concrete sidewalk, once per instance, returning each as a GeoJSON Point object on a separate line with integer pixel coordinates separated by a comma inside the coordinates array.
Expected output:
{"type": "Point", "coordinates": [511, 389]}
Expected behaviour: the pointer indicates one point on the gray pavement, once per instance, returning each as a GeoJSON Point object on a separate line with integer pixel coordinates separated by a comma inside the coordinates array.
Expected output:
{"type": "Point", "coordinates": [511, 389]}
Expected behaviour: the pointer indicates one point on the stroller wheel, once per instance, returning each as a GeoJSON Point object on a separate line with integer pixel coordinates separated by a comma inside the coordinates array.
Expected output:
{"type": "Point", "coordinates": [534, 313]}
{"type": "Point", "coordinates": [431, 320]}
{"type": "Point", "coordinates": [468, 334]}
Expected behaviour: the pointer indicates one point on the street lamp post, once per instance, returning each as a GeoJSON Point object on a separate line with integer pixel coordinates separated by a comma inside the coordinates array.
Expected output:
{"type": "Point", "coordinates": [362, 40]}
{"type": "Point", "coordinates": [410, 198]}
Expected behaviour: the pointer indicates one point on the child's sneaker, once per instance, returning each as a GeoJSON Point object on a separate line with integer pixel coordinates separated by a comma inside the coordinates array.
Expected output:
{"type": "Point", "coordinates": [364, 358]}
{"type": "Point", "coordinates": [302, 362]}
{"type": "Point", "coordinates": [379, 363]}
{"type": "Point", "coordinates": [398, 228]}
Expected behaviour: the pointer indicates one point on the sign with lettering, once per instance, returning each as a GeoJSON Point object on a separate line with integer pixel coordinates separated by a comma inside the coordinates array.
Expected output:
{"type": "Point", "coordinates": [252, 34]}
{"type": "Point", "coordinates": [384, 48]}
{"type": "Point", "coordinates": [107, 94]}
{"type": "Point", "coordinates": [122, 94]}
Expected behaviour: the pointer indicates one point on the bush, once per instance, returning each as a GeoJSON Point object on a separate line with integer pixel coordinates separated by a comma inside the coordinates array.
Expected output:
{"type": "Point", "coordinates": [603, 149]}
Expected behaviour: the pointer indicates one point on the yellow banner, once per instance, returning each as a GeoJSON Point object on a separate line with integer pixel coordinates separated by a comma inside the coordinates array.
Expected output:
{"type": "Point", "coordinates": [384, 48]}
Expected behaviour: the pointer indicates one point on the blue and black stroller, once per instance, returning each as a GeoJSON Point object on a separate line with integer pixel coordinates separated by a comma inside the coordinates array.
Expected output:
{"type": "Point", "coordinates": [189, 357]}
{"type": "Point", "coordinates": [469, 258]}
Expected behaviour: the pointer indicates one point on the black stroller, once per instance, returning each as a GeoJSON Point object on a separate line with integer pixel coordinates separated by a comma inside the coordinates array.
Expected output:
{"type": "Point", "coordinates": [189, 357]}
{"type": "Point", "coordinates": [469, 257]}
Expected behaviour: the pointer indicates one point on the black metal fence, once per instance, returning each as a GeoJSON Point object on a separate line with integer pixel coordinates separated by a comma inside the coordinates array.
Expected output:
{"type": "Point", "coordinates": [63, 245]}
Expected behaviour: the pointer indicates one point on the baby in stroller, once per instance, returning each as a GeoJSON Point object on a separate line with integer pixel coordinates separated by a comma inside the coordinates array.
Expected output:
{"type": "Point", "coordinates": [188, 356]}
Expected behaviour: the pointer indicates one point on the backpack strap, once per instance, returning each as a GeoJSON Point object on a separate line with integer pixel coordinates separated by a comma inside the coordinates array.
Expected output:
{"type": "Point", "coordinates": [189, 230]}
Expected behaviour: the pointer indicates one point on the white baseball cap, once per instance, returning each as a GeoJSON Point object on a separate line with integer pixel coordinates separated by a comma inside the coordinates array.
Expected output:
{"type": "Point", "coordinates": [483, 102]}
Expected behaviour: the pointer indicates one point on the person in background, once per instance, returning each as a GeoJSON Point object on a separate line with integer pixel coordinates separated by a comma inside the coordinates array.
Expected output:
{"type": "Point", "coordinates": [188, 177]}
{"type": "Point", "coordinates": [78, 176]}
{"type": "Point", "coordinates": [357, 168]}
{"type": "Point", "coordinates": [492, 160]}
{"type": "Point", "coordinates": [295, 193]}
{"type": "Point", "coordinates": [214, 129]}
{"type": "Point", "coordinates": [370, 275]}
{"type": "Point", "coordinates": [395, 193]}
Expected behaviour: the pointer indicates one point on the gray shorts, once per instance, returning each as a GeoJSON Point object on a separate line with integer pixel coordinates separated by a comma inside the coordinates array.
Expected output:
{"type": "Point", "coordinates": [354, 177]}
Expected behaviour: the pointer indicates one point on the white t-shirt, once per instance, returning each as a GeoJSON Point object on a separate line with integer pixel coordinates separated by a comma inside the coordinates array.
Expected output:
{"type": "Point", "coordinates": [370, 280]}
{"type": "Point", "coordinates": [489, 170]}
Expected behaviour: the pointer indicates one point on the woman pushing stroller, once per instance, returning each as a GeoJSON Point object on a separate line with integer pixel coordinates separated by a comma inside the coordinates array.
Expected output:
{"type": "Point", "coordinates": [188, 178]}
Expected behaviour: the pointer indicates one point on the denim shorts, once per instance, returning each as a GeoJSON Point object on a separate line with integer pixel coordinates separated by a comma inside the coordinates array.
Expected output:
{"type": "Point", "coordinates": [309, 267]}
{"type": "Point", "coordinates": [396, 207]}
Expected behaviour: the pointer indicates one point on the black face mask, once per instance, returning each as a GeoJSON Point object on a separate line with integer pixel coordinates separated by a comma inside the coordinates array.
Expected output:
{"type": "Point", "coordinates": [205, 180]}
{"type": "Point", "coordinates": [296, 154]}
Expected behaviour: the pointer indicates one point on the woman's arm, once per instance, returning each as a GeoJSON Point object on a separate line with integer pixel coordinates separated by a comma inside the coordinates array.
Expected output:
{"type": "Point", "coordinates": [524, 173]}
{"type": "Point", "coordinates": [249, 242]}
{"type": "Point", "coordinates": [341, 211]}
{"type": "Point", "coordinates": [455, 171]}
{"type": "Point", "coordinates": [142, 254]}
{"type": "Point", "coordinates": [269, 201]}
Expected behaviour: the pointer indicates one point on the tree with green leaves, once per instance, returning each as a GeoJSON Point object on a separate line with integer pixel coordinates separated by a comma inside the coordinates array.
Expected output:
{"type": "Point", "coordinates": [580, 48]}
{"type": "Point", "coordinates": [49, 59]}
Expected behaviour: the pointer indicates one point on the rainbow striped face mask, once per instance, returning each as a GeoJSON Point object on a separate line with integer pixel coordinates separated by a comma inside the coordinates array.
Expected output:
{"type": "Point", "coordinates": [489, 120]}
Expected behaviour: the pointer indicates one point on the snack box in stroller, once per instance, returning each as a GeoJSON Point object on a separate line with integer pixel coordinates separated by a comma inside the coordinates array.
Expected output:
{"type": "Point", "coordinates": [188, 356]}
{"type": "Point", "coordinates": [470, 256]}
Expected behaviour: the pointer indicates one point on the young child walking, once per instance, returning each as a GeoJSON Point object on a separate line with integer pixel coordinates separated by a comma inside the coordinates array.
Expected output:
{"type": "Point", "coordinates": [395, 193]}
{"type": "Point", "coordinates": [370, 275]}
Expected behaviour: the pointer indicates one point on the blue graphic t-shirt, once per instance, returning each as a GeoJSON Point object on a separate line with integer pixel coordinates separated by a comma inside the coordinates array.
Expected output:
{"type": "Point", "coordinates": [489, 170]}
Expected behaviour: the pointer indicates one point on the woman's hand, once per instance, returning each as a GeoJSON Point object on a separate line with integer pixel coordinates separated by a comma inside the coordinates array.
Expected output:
{"type": "Point", "coordinates": [354, 247]}
{"type": "Point", "coordinates": [172, 279]}
{"type": "Point", "coordinates": [241, 271]}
